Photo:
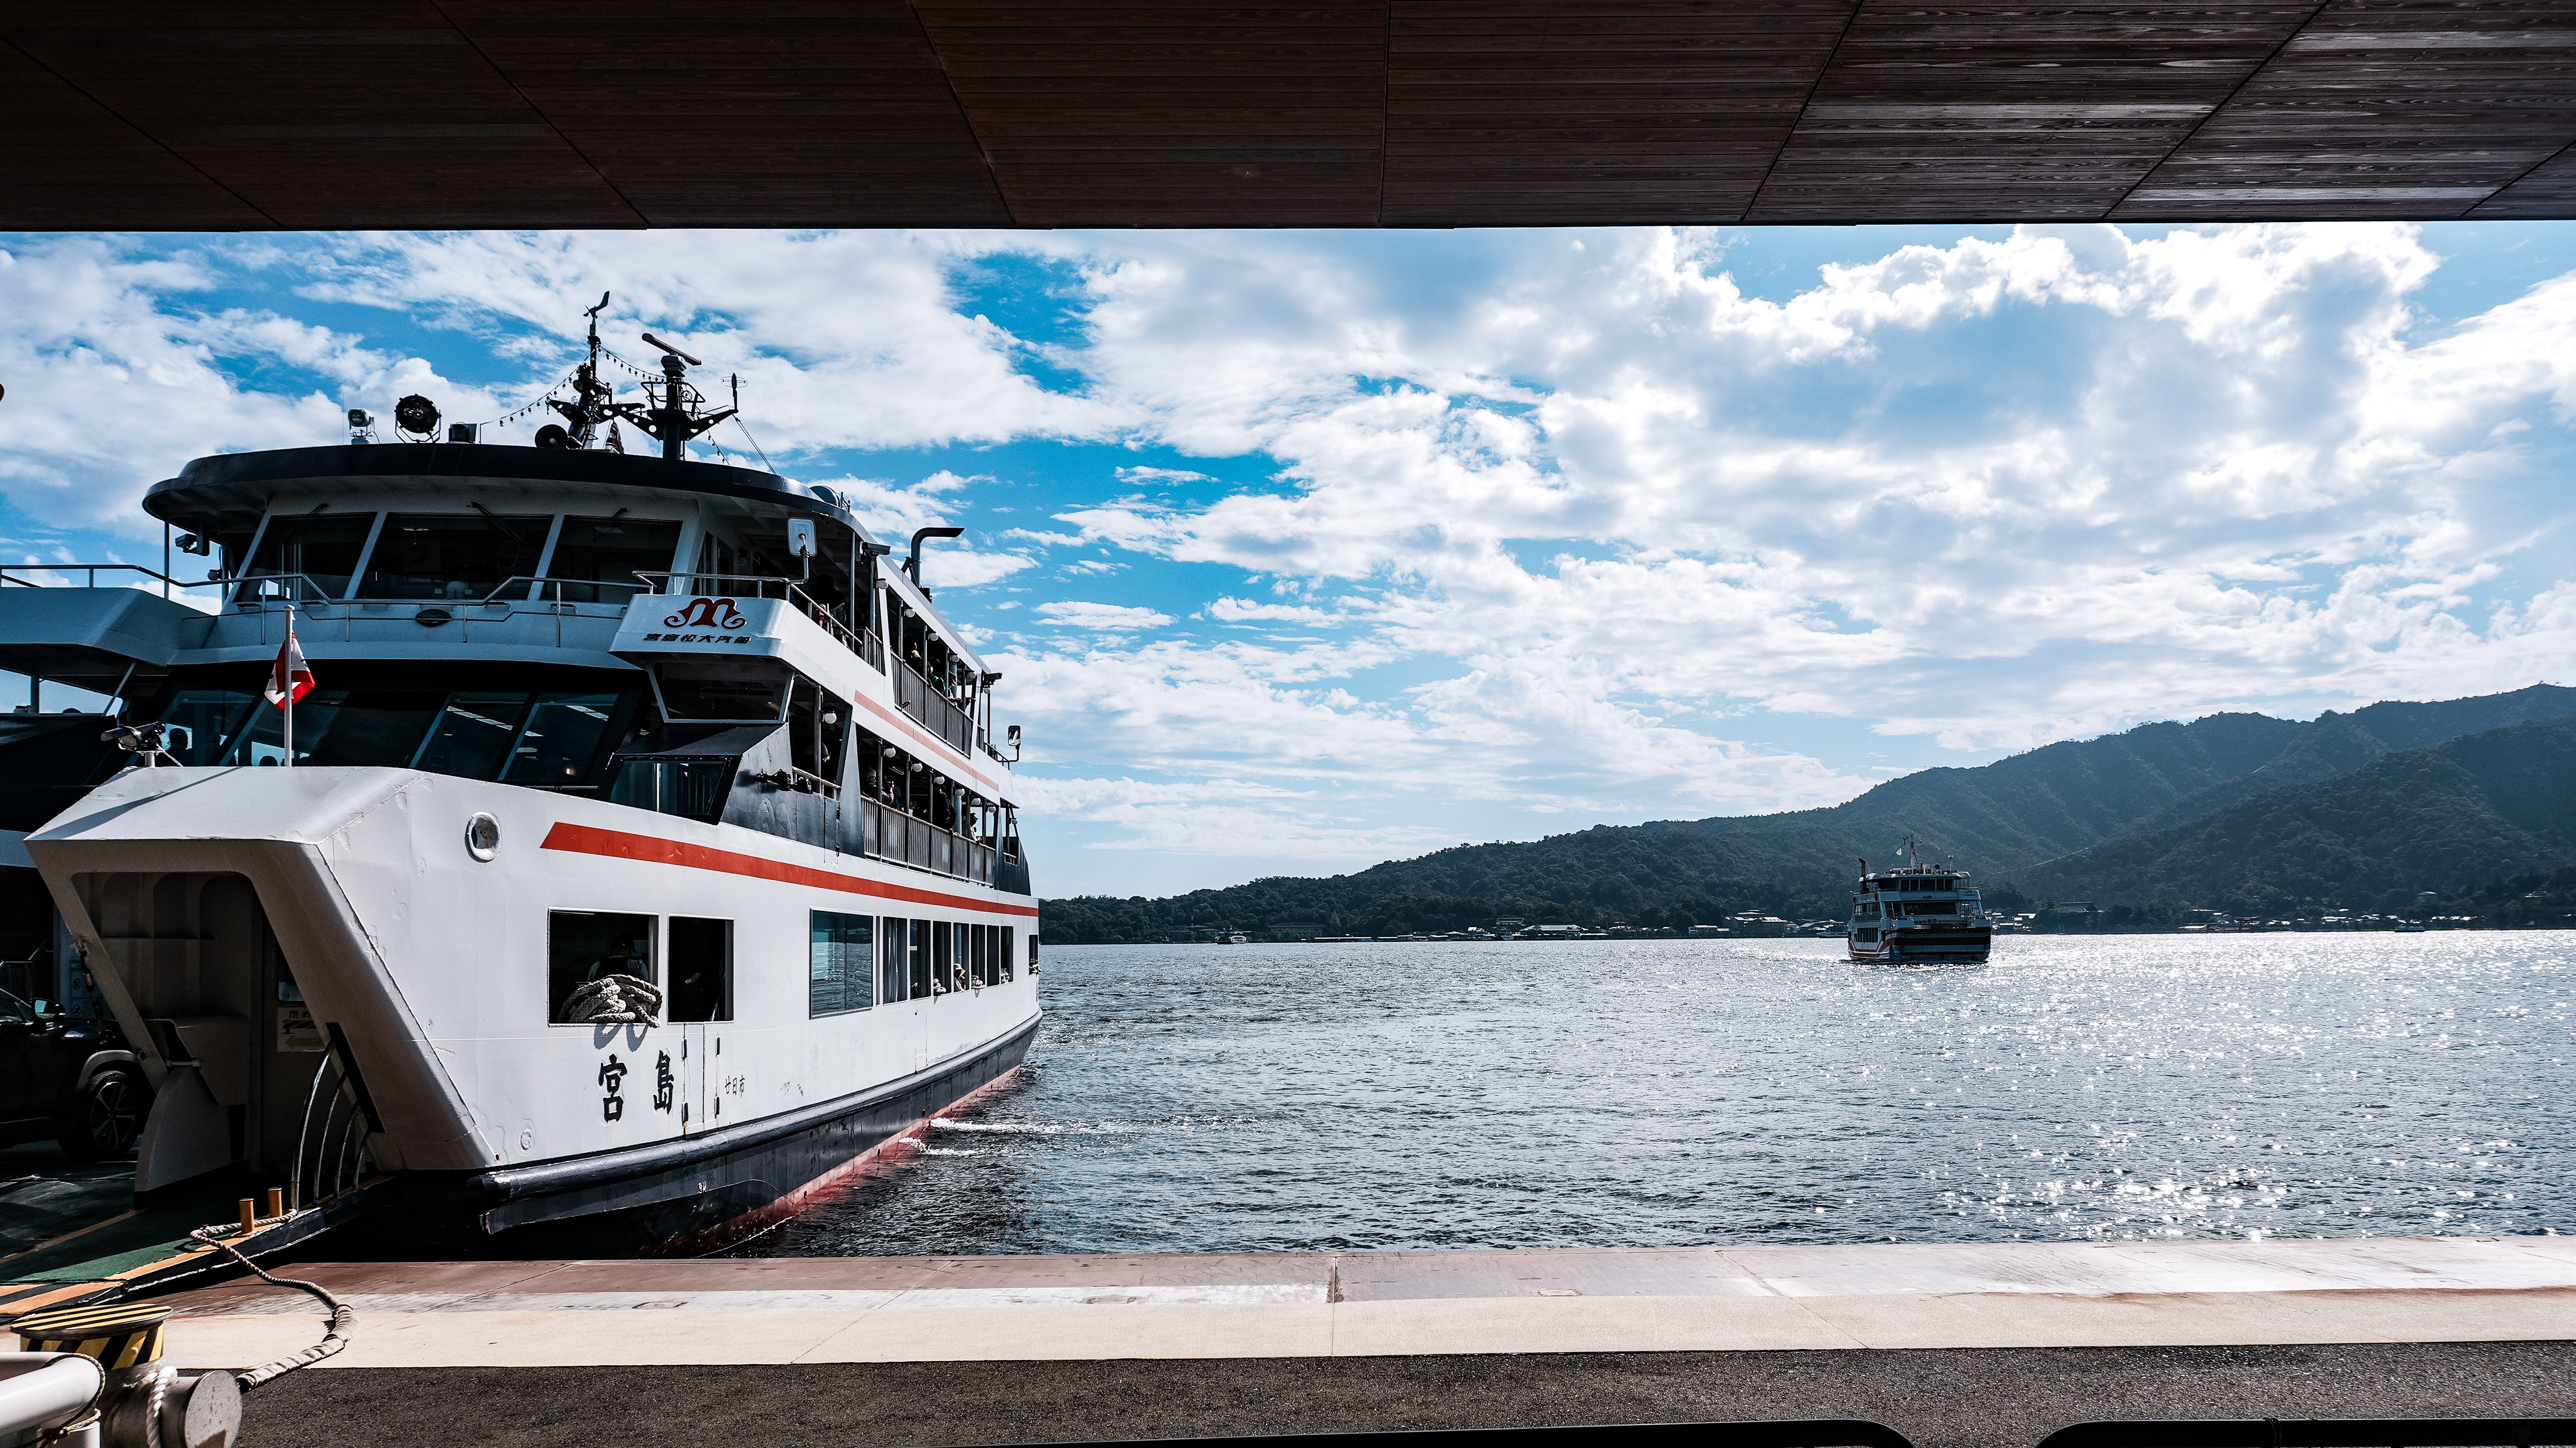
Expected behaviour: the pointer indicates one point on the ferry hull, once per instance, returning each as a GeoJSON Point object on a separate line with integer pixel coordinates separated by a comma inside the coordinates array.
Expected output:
{"type": "Point", "coordinates": [269, 934]}
{"type": "Point", "coordinates": [702, 1194]}
{"type": "Point", "coordinates": [1928, 947]}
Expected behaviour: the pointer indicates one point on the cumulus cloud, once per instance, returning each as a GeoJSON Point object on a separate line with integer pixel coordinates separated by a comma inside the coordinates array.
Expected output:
{"type": "Point", "coordinates": [1593, 528]}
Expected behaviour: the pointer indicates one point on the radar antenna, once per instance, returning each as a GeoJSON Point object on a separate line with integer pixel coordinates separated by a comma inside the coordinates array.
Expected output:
{"type": "Point", "coordinates": [672, 412]}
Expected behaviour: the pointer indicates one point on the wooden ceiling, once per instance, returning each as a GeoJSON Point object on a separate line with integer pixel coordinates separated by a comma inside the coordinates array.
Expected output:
{"type": "Point", "coordinates": [547, 113]}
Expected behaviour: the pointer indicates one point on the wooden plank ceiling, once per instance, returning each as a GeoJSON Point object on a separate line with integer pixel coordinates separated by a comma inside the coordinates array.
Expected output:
{"type": "Point", "coordinates": [549, 113]}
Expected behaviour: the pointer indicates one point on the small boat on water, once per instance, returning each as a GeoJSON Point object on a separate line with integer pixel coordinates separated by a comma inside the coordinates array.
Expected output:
{"type": "Point", "coordinates": [1917, 914]}
{"type": "Point", "coordinates": [560, 836]}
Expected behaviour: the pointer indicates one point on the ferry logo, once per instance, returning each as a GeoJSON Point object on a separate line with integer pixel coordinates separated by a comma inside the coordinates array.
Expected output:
{"type": "Point", "coordinates": [706, 613]}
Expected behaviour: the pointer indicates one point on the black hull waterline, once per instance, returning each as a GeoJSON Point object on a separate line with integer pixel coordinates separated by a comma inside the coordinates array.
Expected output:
{"type": "Point", "coordinates": [705, 1184]}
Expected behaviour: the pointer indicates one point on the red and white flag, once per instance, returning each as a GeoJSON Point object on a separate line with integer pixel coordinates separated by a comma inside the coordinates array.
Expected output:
{"type": "Point", "coordinates": [615, 443]}
{"type": "Point", "coordinates": [292, 679]}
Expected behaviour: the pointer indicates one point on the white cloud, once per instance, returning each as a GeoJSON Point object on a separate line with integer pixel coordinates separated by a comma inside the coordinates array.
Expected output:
{"type": "Point", "coordinates": [1103, 617]}
{"type": "Point", "coordinates": [1593, 527]}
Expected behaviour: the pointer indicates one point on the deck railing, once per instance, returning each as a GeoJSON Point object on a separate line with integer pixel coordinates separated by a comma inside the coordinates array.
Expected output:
{"type": "Point", "coordinates": [914, 695]}
{"type": "Point", "coordinates": [89, 574]}
{"type": "Point", "coordinates": [756, 585]}
{"type": "Point", "coordinates": [888, 833]}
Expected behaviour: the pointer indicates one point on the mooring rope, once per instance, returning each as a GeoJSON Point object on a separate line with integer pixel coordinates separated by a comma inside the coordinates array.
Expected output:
{"type": "Point", "coordinates": [344, 1319]}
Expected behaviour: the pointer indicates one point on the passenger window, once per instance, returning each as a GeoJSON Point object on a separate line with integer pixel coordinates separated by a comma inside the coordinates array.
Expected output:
{"type": "Point", "coordinates": [838, 974]}
{"type": "Point", "coordinates": [324, 549]}
{"type": "Point", "coordinates": [585, 948]}
{"type": "Point", "coordinates": [920, 958]}
{"type": "Point", "coordinates": [450, 557]}
{"type": "Point", "coordinates": [701, 958]}
{"type": "Point", "coordinates": [606, 554]}
{"type": "Point", "coordinates": [891, 967]}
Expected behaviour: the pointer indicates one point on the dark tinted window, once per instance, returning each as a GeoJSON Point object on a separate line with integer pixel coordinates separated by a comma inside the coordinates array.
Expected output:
{"type": "Point", "coordinates": [701, 959]}
{"type": "Point", "coordinates": [423, 555]}
{"type": "Point", "coordinates": [561, 739]}
{"type": "Point", "coordinates": [324, 548]}
{"type": "Point", "coordinates": [610, 551]}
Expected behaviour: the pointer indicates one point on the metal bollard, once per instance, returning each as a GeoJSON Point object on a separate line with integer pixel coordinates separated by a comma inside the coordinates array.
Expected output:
{"type": "Point", "coordinates": [145, 1403]}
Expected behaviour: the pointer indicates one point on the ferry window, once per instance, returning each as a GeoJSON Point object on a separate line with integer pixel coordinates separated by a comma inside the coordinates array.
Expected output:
{"type": "Point", "coordinates": [606, 554]}
{"type": "Point", "coordinates": [695, 788]}
{"type": "Point", "coordinates": [979, 968]}
{"type": "Point", "coordinates": [920, 958]}
{"type": "Point", "coordinates": [582, 946]}
{"type": "Point", "coordinates": [323, 547]}
{"type": "Point", "coordinates": [424, 555]}
{"type": "Point", "coordinates": [701, 960]}
{"type": "Point", "coordinates": [724, 700]}
{"type": "Point", "coordinates": [473, 735]}
{"type": "Point", "coordinates": [201, 721]}
{"type": "Point", "coordinates": [891, 969]}
{"type": "Point", "coordinates": [561, 740]}
{"type": "Point", "coordinates": [838, 975]}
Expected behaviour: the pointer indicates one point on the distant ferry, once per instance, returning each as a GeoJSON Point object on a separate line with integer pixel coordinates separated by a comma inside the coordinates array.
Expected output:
{"type": "Point", "coordinates": [1917, 913]}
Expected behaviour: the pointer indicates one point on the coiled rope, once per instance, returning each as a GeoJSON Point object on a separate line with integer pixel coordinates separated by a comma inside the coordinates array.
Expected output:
{"type": "Point", "coordinates": [344, 1318]}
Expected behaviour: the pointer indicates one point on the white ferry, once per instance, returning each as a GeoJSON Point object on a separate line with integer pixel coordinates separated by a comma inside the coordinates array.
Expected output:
{"type": "Point", "coordinates": [1917, 913]}
{"type": "Point", "coordinates": [639, 860]}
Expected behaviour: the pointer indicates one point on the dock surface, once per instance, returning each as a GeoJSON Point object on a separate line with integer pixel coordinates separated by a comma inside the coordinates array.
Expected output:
{"type": "Point", "coordinates": [786, 1311]}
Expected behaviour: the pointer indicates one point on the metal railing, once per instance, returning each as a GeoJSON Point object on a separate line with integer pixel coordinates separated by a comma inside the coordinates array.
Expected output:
{"type": "Point", "coordinates": [913, 694]}
{"type": "Point", "coordinates": [2313, 1433]}
{"type": "Point", "coordinates": [89, 574]}
{"type": "Point", "coordinates": [1775, 1433]}
{"type": "Point", "coordinates": [864, 644]}
{"type": "Point", "coordinates": [888, 833]}
{"type": "Point", "coordinates": [538, 587]}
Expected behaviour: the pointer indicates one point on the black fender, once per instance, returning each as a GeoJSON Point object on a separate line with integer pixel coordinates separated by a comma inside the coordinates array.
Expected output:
{"type": "Point", "coordinates": [110, 1060]}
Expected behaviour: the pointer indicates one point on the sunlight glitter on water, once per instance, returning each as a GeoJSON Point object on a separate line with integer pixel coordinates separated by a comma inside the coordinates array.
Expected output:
{"type": "Point", "coordinates": [1301, 1097]}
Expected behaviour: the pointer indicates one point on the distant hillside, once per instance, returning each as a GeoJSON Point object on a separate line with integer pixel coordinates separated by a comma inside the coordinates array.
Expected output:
{"type": "Point", "coordinates": [2050, 806]}
{"type": "Point", "coordinates": [2443, 819]}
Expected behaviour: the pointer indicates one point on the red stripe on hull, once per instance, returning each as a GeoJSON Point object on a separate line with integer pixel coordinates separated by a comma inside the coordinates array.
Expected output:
{"type": "Point", "coordinates": [617, 844]}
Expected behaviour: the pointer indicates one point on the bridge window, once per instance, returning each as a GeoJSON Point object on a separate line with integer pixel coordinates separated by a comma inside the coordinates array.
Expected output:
{"type": "Point", "coordinates": [695, 788]}
{"type": "Point", "coordinates": [839, 976]}
{"type": "Point", "coordinates": [517, 736]}
{"type": "Point", "coordinates": [602, 556]}
{"type": "Point", "coordinates": [561, 739]}
{"type": "Point", "coordinates": [323, 547]}
{"type": "Point", "coordinates": [446, 556]}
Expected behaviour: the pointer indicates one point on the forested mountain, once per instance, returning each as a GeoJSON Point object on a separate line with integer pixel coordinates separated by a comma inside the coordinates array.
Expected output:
{"type": "Point", "coordinates": [2442, 818]}
{"type": "Point", "coordinates": [2064, 813]}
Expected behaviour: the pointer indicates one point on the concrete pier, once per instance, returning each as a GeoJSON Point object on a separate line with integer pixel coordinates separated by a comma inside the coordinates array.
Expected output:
{"type": "Point", "coordinates": [1394, 1304]}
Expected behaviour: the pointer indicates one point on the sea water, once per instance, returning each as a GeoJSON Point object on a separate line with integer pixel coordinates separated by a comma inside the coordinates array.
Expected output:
{"type": "Point", "coordinates": [1598, 1094]}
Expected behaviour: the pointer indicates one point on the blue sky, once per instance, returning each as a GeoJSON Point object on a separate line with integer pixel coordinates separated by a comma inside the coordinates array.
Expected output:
{"type": "Point", "coordinates": [1304, 550]}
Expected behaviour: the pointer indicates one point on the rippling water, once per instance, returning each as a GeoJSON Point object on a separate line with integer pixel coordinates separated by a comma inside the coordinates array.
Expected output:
{"type": "Point", "coordinates": [1283, 1097]}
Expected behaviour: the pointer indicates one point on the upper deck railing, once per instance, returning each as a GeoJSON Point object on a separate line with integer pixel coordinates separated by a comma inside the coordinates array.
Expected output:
{"type": "Point", "coordinates": [90, 573]}
{"type": "Point", "coordinates": [753, 585]}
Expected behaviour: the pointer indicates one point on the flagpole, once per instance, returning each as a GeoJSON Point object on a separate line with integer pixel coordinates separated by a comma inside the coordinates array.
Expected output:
{"type": "Point", "coordinates": [287, 707]}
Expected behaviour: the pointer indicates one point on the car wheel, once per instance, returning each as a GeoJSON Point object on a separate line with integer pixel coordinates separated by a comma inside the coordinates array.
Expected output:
{"type": "Point", "coordinates": [106, 1119]}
